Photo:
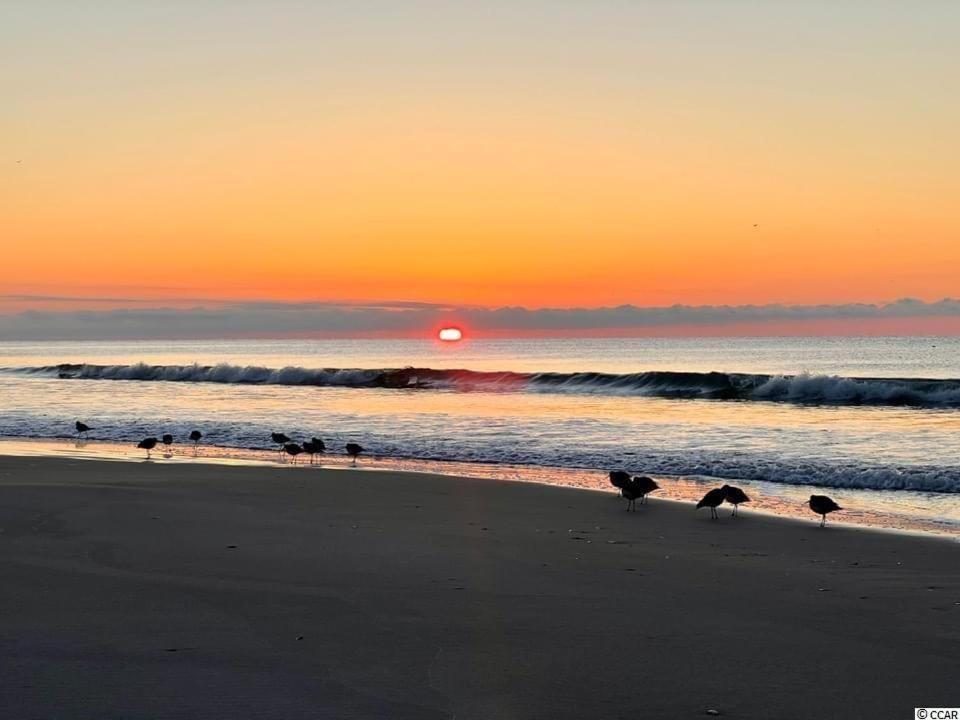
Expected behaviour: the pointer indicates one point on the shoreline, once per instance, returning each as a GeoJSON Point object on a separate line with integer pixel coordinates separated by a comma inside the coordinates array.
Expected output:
{"type": "Point", "coordinates": [767, 498]}
{"type": "Point", "coordinates": [178, 590]}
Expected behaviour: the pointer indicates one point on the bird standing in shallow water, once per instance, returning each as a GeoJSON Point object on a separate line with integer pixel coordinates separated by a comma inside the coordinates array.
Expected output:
{"type": "Point", "coordinates": [195, 435]}
{"type": "Point", "coordinates": [280, 439]}
{"type": "Point", "coordinates": [712, 500]}
{"type": "Point", "coordinates": [167, 440]}
{"type": "Point", "coordinates": [353, 450]}
{"type": "Point", "coordinates": [822, 505]}
{"type": "Point", "coordinates": [293, 450]}
{"type": "Point", "coordinates": [734, 496]}
{"type": "Point", "coordinates": [147, 444]}
{"type": "Point", "coordinates": [314, 446]}
{"type": "Point", "coordinates": [81, 427]}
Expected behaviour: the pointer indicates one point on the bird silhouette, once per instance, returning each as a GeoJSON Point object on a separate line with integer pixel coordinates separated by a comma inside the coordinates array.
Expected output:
{"type": "Point", "coordinates": [280, 439]}
{"type": "Point", "coordinates": [167, 439]}
{"type": "Point", "coordinates": [630, 493]}
{"type": "Point", "coordinates": [644, 486]}
{"type": "Point", "coordinates": [147, 444]}
{"type": "Point", "coordinates": [195, 435]}
{"type": "Point", "coordinates": [353, 450]}
{"type": "Point", "coordinates": [619, 479]}
{"type": "Point", "coordinates": [713, 499]}
{"type": "Point", "coordinates": [293, 450]}
{"type": "Point", "coordinates": [81, 428]}
{"type": "Point", "coordinates": [822, 505]}
{"type": "Point", "coordinates": [734, 496]}
{"type": "Point", "coordinates": [314, 446]}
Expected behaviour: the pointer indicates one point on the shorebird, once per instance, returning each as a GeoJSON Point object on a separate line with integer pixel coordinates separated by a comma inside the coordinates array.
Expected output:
{"type": "Point", "coordinates": [712, 500]}
{"type": "Point", "coordinates": [280, 439]}
{"type": "Point", "coordinates": [822, 505]}
{"type": "Point", "coordinates": [734, 496]}
{"type": "Point", "coordinates": [81, 427]}
{"type": "Point", "coordinates": [619, 479]}
{"type": "Point", "coordinates": [293, 450]}
{"type": "Point", "coordinates": [630, 494]}
{"type": "Point", "coordinates": [644, 485]}
{"type": "Point", "coordinates": [195, 435]}
{"type": "Point", "coordinates": [313, 447]}
{"type": "Point", "coordinates": [353, 450]}
{"type": "Point", "coordinates": [167, 440]}
{"type": "Point", "coordinates": [147, 444]}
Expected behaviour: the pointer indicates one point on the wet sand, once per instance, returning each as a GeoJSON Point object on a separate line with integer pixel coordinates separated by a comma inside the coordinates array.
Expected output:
{"type": "Point", "coordinates": [152, 590]}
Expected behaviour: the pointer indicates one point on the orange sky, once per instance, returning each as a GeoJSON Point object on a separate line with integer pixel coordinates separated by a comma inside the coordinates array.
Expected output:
{"type": "Point", "coordinates": [640, 158]}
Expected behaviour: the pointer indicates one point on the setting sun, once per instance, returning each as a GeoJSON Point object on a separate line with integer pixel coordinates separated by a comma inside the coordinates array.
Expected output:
{"type": "Point", "coordinates": [450, 334]}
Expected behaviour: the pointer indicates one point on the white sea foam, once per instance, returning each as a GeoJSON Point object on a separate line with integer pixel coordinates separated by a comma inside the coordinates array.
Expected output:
{"type": "Point", "coordinates": [802, 388]}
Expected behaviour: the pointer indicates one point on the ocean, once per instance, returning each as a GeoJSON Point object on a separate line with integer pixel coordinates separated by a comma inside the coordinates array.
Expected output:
{"type": "Point", "coordinates": [874, 422]}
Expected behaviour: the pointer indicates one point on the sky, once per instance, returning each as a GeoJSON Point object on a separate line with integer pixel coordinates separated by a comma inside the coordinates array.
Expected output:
{"type": "Point", "coordinates": [575, 155]}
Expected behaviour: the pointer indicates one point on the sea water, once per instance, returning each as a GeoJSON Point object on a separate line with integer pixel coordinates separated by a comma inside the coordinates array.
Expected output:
{"type": "Point", "coordinates": [874, 422]}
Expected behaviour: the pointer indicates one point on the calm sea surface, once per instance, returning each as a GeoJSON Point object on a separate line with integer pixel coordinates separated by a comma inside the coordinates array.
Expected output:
{"type": "Point", "coordinates": [875, 422]}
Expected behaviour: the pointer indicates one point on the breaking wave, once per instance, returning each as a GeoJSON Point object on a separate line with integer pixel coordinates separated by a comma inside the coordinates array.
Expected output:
{"type": "Point", "coordinates": [802, 388]}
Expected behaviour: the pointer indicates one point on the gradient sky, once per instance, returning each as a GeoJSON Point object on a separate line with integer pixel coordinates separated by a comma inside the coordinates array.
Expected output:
{"type": "Point", "coordinates": [496, 153]}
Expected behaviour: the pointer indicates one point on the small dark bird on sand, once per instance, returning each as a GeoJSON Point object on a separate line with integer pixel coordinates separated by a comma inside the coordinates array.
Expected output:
{"type": "Point", "coordinates": [312, 447]}
{"type": "Point", "coordinates": [636, 489]}
{"type": "Point", "coordinates": [280, 439]}
{"type": "Point", "coordinates": [630, 493]}
{"type": "Point", "coordinates": [821, 505]}
{"type": "Point", "coordinates": [81, 427]}
{"type": "Point", "coordinates": [353, 450]}
{"type": "Point", "coordinates": [195, 436]}
{"type": "Point", "coordinates": [147, 444]}
{"type": "Point", "coordinates": [293, 450]}
{"type": "Point", "coordinates": [712, 500]}
{"type": "Point", "coordinates": [734, 496]}
{"type": "Point", "coordinates": [644, 486]}
{"type": "Point", "coordinates": [619, 479]}
{"type": "Point", "coordinates": [167, 439]}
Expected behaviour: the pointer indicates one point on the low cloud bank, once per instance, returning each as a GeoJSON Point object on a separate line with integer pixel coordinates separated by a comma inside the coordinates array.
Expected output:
{"type": "Point", "coordinates": [275, 319]}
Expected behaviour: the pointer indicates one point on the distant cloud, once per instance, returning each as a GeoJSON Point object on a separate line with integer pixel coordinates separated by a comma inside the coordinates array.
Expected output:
{"type": "Point", "coordinates": [207, 319]}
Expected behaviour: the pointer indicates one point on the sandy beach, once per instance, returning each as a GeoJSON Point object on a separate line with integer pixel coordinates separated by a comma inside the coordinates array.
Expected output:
{"type": "Point", "coordinates": [150, 590]}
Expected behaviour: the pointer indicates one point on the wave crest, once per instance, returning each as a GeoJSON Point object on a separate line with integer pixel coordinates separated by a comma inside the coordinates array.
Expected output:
{"type": "Point", "coordinates": [802, 388]}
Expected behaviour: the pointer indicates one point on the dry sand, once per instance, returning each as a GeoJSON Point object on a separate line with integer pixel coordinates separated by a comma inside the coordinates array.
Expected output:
{"type": "Point", "coordinates": [152, 590]}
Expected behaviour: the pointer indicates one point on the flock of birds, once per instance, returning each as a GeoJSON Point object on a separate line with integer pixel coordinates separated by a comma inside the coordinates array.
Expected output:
{"type": "Point", "coordinates": [634, 488]}
{"type": "Point", "coordinates": [631, 488]}
{"type": "Point", "coordinates": [313, 447]}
